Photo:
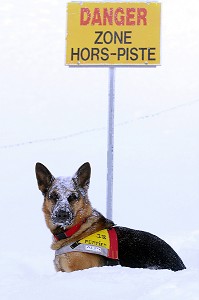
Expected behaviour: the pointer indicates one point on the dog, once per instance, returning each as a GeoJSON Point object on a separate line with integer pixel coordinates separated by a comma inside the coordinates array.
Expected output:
{"type": "Point", "coordinates": [75, 225]}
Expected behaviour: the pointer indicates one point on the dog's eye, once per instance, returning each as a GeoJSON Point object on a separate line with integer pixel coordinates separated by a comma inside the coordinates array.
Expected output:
{"type": "Point", "coordinates": [54, 196]}
{"type": "Point", "coordinates": [72, 197]}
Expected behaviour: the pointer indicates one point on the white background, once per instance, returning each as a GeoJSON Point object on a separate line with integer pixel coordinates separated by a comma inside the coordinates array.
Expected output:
{"type": "Point", "coordinates": [156, 159]}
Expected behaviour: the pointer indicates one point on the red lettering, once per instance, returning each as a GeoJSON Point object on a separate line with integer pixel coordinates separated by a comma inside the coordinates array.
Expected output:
{"type": "Point", "coordinates": [119, 20]}
{"type": "Point", "coordinates": [130, 16]}
{"type": "Point", "coordinates": [142, 12]}
{"type": "Point", "coordinates": [96, 17]}
{"type": "Point", "coordinates": [108, 16]}
{"type": "Point", "coordinates": [85, 16]}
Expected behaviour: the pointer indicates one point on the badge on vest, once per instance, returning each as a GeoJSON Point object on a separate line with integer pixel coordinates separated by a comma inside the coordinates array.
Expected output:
{"type": "Point", "coordinates": [103, 243]}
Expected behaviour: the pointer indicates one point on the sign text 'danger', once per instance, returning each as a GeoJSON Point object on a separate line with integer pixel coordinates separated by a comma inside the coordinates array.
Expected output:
{"type": "Point", "coordinates": [113, 33]}
{"type": "Point", "coordinates": [119, 16]}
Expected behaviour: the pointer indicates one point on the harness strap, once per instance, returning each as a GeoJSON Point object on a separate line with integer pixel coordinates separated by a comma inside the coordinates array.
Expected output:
{"type": "Point", "coordinates": [103, 243]}
{"type": "Point", "coordinates": [69, 232]}
{"type": "Point", "coordinates": [113, 250]}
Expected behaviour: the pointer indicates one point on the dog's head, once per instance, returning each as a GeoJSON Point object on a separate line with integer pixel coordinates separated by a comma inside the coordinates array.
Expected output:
{"type": "Point", "coordinates": [65, 198]}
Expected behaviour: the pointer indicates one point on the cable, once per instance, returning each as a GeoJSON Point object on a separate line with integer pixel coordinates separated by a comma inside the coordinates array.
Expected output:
{"type": "Point", "coordinates": [54, 139]}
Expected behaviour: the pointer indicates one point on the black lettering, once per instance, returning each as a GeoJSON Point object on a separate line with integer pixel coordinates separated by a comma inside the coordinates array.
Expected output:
{"type": "Point", "coordinates": [120, 53]}
{"type": "Point", "coordinates": [95, 53]}
{"type": "Point", "coordinates": [117, 37]}
{"type": "Point", "coordinates": [150, 53]}
{"type": "Point", "coordinates": [105, 55]}
{"type": "Point", "coordinates": [134, 54]}
{"type": "Point", "coordinates": [73, 53]}
{"type": "Point", "coordinates": [143, 52]}
{"type": "Point", "coordinates": [99, 35]}
{"type": "Point", "coordinates": [108, 37]}
{"type": "Point", "coordinates": [127, 35]}
{"type": "Point", "coordinates": [85, 54]}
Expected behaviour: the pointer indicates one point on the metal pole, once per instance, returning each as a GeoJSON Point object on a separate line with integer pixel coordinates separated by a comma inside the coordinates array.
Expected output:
{"type": "Point", "coordinates": [109, 195]}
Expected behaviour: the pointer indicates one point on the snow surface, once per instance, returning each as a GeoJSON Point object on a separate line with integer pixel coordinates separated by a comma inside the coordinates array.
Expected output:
{"type": "Point", "coordinates": [58, 116]}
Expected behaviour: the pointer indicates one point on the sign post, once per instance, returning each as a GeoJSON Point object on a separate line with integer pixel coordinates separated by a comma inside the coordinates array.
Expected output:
{"type": "Point", "coordinates": [113, 34]}
{"type": "Point", "coordinates": [110, 146]}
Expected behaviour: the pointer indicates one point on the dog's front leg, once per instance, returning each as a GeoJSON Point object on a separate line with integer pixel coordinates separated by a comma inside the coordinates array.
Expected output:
{"type": "Point", "coordinates": [75, 261]}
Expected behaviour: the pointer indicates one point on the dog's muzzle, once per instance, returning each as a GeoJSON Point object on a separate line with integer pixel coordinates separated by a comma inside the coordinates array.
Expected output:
{"type": "Point", "coordinates": [62, 215]}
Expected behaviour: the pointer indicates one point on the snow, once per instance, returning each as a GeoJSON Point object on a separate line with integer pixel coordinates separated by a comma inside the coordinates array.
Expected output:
{"type": "Point", "coordinates": [34, 279]}
{"type": "Point", "coordinates": [58, 116]}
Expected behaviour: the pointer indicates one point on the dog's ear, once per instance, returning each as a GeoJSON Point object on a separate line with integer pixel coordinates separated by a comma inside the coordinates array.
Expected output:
{"type": "Point", "coordinates": [44, 177]}
{"type": "Point", "coordinates": [82, 176]}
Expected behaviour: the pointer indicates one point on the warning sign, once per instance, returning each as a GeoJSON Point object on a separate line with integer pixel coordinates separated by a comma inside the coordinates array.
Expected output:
{"type": "Point", "coordinates": [109, 33]}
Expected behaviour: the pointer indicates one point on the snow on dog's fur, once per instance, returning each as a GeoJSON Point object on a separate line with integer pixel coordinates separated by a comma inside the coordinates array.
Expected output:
{"type": "Point", "coordinates": [67, 208]}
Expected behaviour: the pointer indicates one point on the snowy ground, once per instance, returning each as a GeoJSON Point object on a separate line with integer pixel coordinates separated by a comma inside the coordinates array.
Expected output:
{"type": "Point", "coordinates": [31, 276]}
{"type": "Point", "coordinates": [156, 171]}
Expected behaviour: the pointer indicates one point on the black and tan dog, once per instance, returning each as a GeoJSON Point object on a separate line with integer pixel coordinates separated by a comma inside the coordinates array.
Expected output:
{"type": "Point", "coordinates": [71, 218]}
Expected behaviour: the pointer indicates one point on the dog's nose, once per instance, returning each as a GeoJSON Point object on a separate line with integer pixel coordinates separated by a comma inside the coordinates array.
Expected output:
{"type": "Point", "coordinates": [62, 214]}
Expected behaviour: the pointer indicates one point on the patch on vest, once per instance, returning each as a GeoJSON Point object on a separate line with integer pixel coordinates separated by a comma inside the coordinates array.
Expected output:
{"type": "Point", "coordinates": [103, 243]}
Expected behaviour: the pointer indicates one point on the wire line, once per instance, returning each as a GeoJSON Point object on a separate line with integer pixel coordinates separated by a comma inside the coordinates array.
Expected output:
{"type": "Point", "coordinates": [55, 139]}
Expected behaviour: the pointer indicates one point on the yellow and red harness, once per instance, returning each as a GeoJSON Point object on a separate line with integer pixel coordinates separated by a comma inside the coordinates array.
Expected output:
{"type": "Point", "coordinates": [103, 242]}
